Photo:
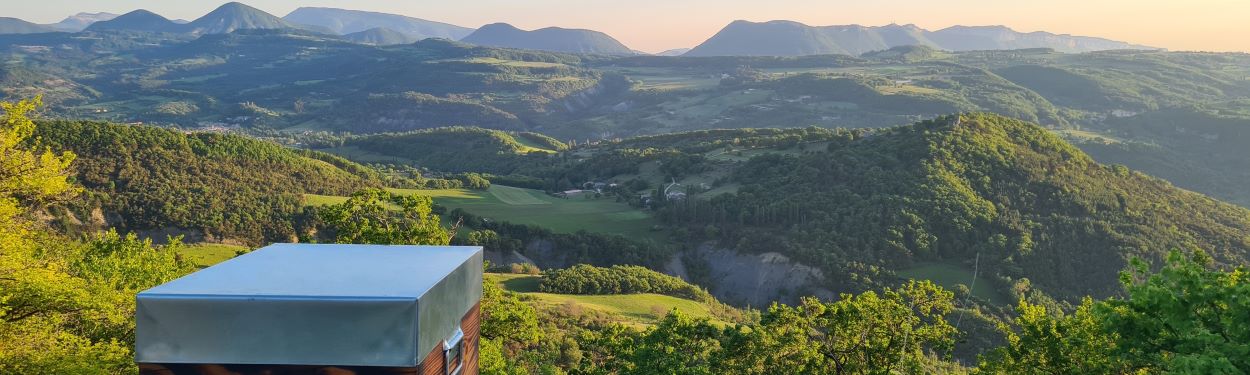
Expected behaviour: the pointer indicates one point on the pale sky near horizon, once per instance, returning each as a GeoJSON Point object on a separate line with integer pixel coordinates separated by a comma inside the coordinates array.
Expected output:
{"type": "Point", "coordinates": [657, 25]}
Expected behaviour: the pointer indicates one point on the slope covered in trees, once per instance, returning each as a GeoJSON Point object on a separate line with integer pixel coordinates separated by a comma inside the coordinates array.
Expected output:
{"type": "Point", "coordinates": [1200, 149]}
{"type": "Point", "coordinates": [66, 305]}
{"type": "Point", "coordinates": [221, 186]}
{"type": "Point", "coordinates": [454, 149]}
{"type": "Point", "coordinates": [1032, 206]}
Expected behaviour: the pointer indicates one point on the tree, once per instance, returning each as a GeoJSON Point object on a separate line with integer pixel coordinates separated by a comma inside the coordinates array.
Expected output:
{"type": "Point", "coordinates": [1042, 341]}
{"type": "Point", "coordinates": [375, 216]}
{"type": "Point", "coordinates": [677, 345]}
{"type": "Point", "coordinates": [484, 237]}
{"type": "Point", "coordinates": [508, 326]}
{"type": "Point", "coordinates": [868, 333]}
{"type": "Point", "coordinates": [1187, 318]}
{"type": "Point", "coordinates": [506, 318]}
{"type": "Point", "coordinates": [25, 172]}
{"type": "Point", "coordinates": [65, 307]}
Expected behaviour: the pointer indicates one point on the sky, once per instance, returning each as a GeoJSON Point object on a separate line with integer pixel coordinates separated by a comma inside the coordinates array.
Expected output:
{"type": "Point", "coordinates": [657, 25]}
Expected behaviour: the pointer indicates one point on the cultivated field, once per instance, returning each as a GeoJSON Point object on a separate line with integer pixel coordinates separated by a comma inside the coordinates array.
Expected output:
{"type": "Point", "coordinates": [949, 275]}
{"type": "Point", "coordinates": [533, 207]}
{"type": "Point", "coordinates": [207, 254]}
{"type": "Point", "coordinates": [638, 310]}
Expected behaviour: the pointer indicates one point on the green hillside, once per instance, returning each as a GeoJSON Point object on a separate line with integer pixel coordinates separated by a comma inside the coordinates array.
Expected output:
{"type": "Point", "coordinates": [1030, 204]}
{"type": "Point", "coordinates": [211, 185]}
{"type": "Point", "coordinates": [533, 207]}
{"type": "Point", "coordinates": [637, 310]}
{"type": "Point", "coordinates": [456, 149]}
{"type": "Point", "coordinates": [289, 84]}
{"type": "Point", "coordinates": [1200, 149]}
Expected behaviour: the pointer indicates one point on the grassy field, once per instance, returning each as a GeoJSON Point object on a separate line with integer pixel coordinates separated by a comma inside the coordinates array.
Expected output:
{"type": "Point", "coordinates": [207, 254]}
{"type": "Point", "coordinates": [363, 156]}
{"type": "Point", "coordinates": [669, 79]}
{"type": "Point", "coordinates": [512, 63]}
{"type": "Point", "coordinates": [949, 275]}
{"type": "Point", "coordinates": [516, 196]}
{"type": "Point", "coordinates": [531, 146]}
{"type": "Point", "coordinates": [638, 310]}
{"type": "Point", "coordinates": [1088, 136]}
{"type": "Point", "coordinates": [533, 207]}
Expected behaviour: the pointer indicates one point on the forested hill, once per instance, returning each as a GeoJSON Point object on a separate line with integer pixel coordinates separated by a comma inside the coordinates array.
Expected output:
{"type": "Point", "coordinates": [1031, 205]}
{"type": "Point", "coordinates": [452, 149]}
{"type": "Point", "coordinates": [224, 187]}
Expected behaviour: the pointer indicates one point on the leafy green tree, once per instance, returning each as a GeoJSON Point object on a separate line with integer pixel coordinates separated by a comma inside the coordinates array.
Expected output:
{"type": "Point", "coordinates": [506, 318]}
{"type": "Point", "coordinates": [27, 172]}
{"type": "Point", "coordinates": [65, 307]}
{"type": "Point", "coordinates": [878, 334]}
{"type": "Point", "coordinates": [492, 361]}
{"type": "Point", "coordinates": [868, 333]}
{"type": "Point", "coordinates": [375, 216]}
{"type": "Point", "coordinates": [783, 342]}
{"type": "Point", "coordinates": [677, 345]}
{"type": "Point", "coordinates": [484, 237]}
{"type": "Point", "coordinates": [1041, 341]}
{"type": "Point", "coordinates": [1186, 318]}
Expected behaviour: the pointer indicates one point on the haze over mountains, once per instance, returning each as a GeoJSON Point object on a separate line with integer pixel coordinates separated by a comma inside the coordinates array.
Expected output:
{"type": "Point", "coordinates": [10, 25]}
{"type": "Point", "coordinates": [80, 21]}
{"type": "Point", "coordinates": [740, 38]}
{"type": "Point", "coordinates": [788, 38]}
{"type": "Point", "coordinates": [346, 22]}
{"type": "Point", "coordinates": [547, 39]}
{"type": "Point", "coordinates": [225, 19]}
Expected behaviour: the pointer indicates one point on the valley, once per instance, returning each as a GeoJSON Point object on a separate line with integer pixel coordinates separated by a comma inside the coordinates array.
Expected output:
{"type": "Point", "coordinates": [965, 200]}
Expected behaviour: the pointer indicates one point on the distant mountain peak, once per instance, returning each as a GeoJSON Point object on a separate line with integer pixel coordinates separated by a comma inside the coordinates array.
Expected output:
{"type": "Point", "coordinates": [674, 52]}
{"type": "Point", "coordinates": [346, 21]}
{"type": "Point", "coordinates": [10, 25]}
{"type": "Point", "coordinates": [790, 38]}
{"type": "Point", "coordinates": [499, 26]}
{"type": "Point", "coordinates": [235, 16]}
{"type": "Point", "coordinates": [136, 20]}
{"type": "Point", "coordinates": [555, 39]}
{"type": "Point", "coordinates": [80, 21]}
{"type": "Point", "coordinates": [380, 36]}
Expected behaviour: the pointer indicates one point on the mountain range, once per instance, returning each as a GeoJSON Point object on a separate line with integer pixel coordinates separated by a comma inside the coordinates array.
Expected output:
{"type": "Point", "coordinates": [225, 19]}
{"type": "Point", "coordinates": [348, 22]}
{"type": "Point", "coordinates": [381, 36]}
{"type": "Point", "coordinates": [10, 25]}
{"type": "Point", "coordinates": [80, 21]}
{"type": "Point", "coordinates": [553, 39]}
{"type": "Point", "coordinates": [138, 20]}
{"type": "Point", "coordinates": [789, 38]}
{"type": "Point", "coordinates": [740, 38]}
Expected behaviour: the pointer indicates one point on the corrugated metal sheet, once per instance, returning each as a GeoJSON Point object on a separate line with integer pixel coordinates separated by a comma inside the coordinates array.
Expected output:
{"type": "Point", "coordinates": [295, 304]}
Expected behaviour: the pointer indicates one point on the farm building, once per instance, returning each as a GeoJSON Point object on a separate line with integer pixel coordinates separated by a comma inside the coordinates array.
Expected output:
{"type": "Point", "coordinates": [318, 309]}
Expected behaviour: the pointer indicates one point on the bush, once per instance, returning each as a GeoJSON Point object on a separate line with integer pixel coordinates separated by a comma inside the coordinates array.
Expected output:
{"type": "Point", "coordinates": [587, 279]}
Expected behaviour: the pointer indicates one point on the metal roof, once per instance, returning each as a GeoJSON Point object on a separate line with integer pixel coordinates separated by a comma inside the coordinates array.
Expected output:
{"type": "Point", "coordinates": [301, 304]}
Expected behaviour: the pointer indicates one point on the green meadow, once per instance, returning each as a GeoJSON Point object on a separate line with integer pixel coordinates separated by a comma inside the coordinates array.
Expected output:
{"type": "Point", "coordinates": [208, 254]}
{"type": "Point", "coordinates": [638, 310]}
{"type": "Point", "coordinates": [948, 276]}
{"type": "Point", "coordinates": [533, 207]}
